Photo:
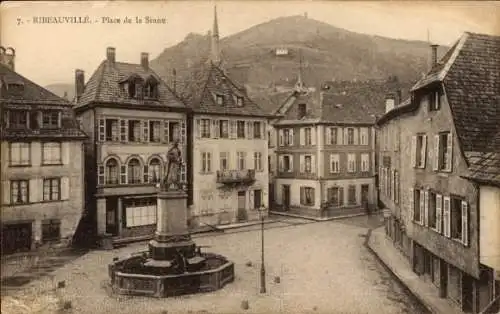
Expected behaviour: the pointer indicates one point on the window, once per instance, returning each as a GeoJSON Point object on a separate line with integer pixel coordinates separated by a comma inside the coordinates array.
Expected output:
{"type": "Point", "coordinates": [257, 132]}
{"type": "Point", "coordinates": [239, 101]}
{"type": "Point", "coordinates": [224, 160]}
{"type": "Point", "coordinates": [134, 171]}
{"type": "Point", "coordinates": [52, 189]}
{"type": "Point", "coordinates": [131, 89]}
{"type": "Point", "coordinates": [151, 90]}
{"type": "Point", "coordinates": [240, 129]}
{"type": "Point", "coordinates": [19, 154]}
{"type": "Point", "coordinates": [287, 163]}
{"type": "Point", "coordinates": [365, 162]}
{"type": "Point", "coordinates": [206, 162]}
{"type": "Point", "coordinates": [288, 137]}
{"type": "Point", "coordinates": [224, 128]}
{"type": "Point", "coordinates": [420, 150]}
{"type": "Point", "coordinates": [302, 111]}
{"type": "Point", "coordinates": [307, 136]}
{"type": "Point", "coordinates": [334, 163]}
{"type": "Point", "coordinates": [332, 136]}
{"type": "Point", "coordinates": [51, 230]}
{"type": "Point", "coordinates": [257, 199]}
{"type": "Point", "coordinates": [456, 218]}
{"type": "Point", "coordinates": [154, 169]}
{"type": "Point", "coordinates": [241, 156]}
{"type": "Point", "coordinates": [220, 99]}
{"type": "Point", "coordinates": [112, 132]}
{"type": "Point", "coordinates": [307, 196]}
{"type": "Point", "coordinates": [350, 136]}
{"type": "Point", "coordinates": [434, 101]}
{"type": "Point", "coordinates": [336, 196]}
{"type": "Point", "coordinates": [51, 154]}
{"type": "Point", "coordinates": [418, 205]}
{"type": "Point", "coordinates": [111, 173]}
{"type": "Point", "coordinates": [257, 161]}
{"type": "Point", "coordinates": [154, 131]}
{"type": "Point", "coordinates": [364, 136]}
{"type": "Point", "coordinates": [18, 119]}
{"type": "Point", "coordinates": [34, 123]}
{"type": "Point", "coordinates": [307, 164]}
{"type": "Point", "coordinates": [50, 119]}
{"type": "Point", "coordinates": [351, 163]}
{"type": "Point", "coordinates": [431, 211]}
{"type": "Point", "coordinates": [173, 131]}
{"type": "Point", "coordinates": [351, 195]}
{"type": "Point", "coordinates": [19, 191]}
{"type": "Point", "coordinates": [205, 128]}
{"type": "Point", "coordinates": [140, 213]}
{"type": "Point", "coordinates": [444, 142]}
{"type": "Point", "coordinates": [396, 186]}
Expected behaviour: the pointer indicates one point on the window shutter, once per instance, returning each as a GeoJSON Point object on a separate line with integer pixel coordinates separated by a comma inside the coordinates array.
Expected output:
{"type": "Point", "coordinates": [100, 175]}
{"type": "Point", "coordinates": [356, 136]}
{"type": "Point", "coordinates": [436, 153]}
{"type": "Point", "coordinates": [422, 207]}
{"type": "Point", "coordinates": [426, 208]}
{"type": "Point", "coordinates": [340, 136]}
{"type": "Point", "coordinates": [302, 195]}
{"type": "Point", "coordinates": [313, 164]}
{"type": "Point", "coordinates": [35, 188]}
{"type": "Point", "coordinates": [332, 166]}
{"type": "Point", "coordinates": [232, 129]}
{"type": "Point", "coordinates": [449, 155]}
{"type": "Point", "coordinates": [346, 136]}
{"type": "Point", "coordinates": [413, 151]}
{"type": "Point", "coordinates": [183, 134]}
{"type": "Point", "coordinates": [341, 196]}
{"type": "Point", "coordinates": [465, 223]}
{"type": "Point", "coordinates": [396, 191]}
{"type": "Point", "coordinates": [412, 204]}
{"type": "Point", "coordinates": [280, 163]}
{"type": "Point", "coordinates": [6, 191]}
{"type": "Point", "coordinates": [64, 188]}
{"type": "Point", "coordinates": [146, 174]}
{"type": "Point", "coordinates": [292, 142]}
{"type": "Point", "coordinates": [145, 130]}
{"type": "Point", "coordinates": [328, 136]}
{"type": "Point", "coordinates": [250, 129]}
{"type": "Point", "coordinates": [439, 213]}
{"type": "Point", "coordinates": [393, 186]}
{"type": "Point", "coordinates": [281, 140]}
{"type": "Point", "coordinates": [123, 130]}
{"type": "Point", "coordinates": [65, 158]}
{"type": "Point", "coordinates": [354, 162]}
{"type": "Point", "coordinates": [198, 128]}
{"type": "Point", "coordinates": [424, 151]}
{"type": "Point", "coordinates": [446, 216]}
{"type": "Point", "coordinates": [292, 167]}
{"type": "Point", "coordinates": [123, 174]}
{"type": "Point", "coordinates": [302, 163]}
{"type": "Point", "coordinates": [165, 131]}
{"type": "Point", "coordinates": [302, 136]}
{"type": "Point", "coordinates": [216, 124]}
{"type": "Point", "coordinates": [102, 130]}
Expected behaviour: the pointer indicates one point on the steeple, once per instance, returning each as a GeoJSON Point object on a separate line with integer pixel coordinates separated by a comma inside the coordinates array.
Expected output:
{"type": "Point", "coordinates": [299, 86]}
{"type": "Point", "coordinates": [215, 39]}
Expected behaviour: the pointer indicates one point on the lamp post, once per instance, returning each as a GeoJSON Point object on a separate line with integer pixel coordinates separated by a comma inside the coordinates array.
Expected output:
{"type": "Point", "coordinates": [262, 267]}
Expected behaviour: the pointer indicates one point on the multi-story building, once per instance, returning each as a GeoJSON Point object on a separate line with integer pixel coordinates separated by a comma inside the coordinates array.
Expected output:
{"type": "Point", "coordinates": [132, 119]}
{"type": "Point", "coordinates": [453, 115]}
{"type": "Point", "coordinates": [41, 163]}
{"type": "Point", "coordinates": [326, 150]}
{"type": "Point", "coordinates": [229, 158]}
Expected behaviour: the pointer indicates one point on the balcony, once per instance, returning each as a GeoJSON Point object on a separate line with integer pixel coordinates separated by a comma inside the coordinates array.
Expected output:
{"type": "Point", "coordinates": [233, 177]}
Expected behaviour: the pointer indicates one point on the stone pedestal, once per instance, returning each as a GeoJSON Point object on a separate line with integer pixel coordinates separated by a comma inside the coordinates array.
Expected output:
{"type": "Point", "coordinates": [172, 236]}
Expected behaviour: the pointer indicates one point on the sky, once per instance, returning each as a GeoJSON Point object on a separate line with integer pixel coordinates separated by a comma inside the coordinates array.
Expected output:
{"type": "Point", "coordinates": [49, 53]}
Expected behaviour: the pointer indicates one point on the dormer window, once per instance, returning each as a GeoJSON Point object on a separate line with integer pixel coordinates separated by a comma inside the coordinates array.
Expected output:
{"type": "Point", "coordinates": [434, 100]}
{"type": "Point", "coordinates": [239, 101]}
{"type": "Point", "coordinates": [18, 119]}
{"type": "Point", "coordinates": [220, 99]}
{"type": "Point", "coordinates": [133, 86]}
{"type": "Point", "coordinates": [16, 89]}
{"type": "Point", "coordinates": [302, 111]}
{"type": "Point", "coordinates": [151, 88]}
{"type": "Point", "coordinates": [51, 119]}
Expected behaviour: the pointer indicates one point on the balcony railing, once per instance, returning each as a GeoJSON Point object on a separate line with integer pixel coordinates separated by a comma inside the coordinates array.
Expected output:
{"type": "Point", "coordinates": [235, 176]}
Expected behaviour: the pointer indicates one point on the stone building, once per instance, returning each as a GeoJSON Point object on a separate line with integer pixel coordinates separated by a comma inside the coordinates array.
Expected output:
{"type": "Point", "coordinates": [132, 118]}
{"type": "Point", "coordinates": [453, 115]}
{"type": "Point", "coordinates": [41, 163]}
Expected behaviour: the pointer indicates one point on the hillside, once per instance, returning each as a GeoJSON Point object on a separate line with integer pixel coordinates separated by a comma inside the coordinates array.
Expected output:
{"type": "Point", "coordinates": [62, 88]}
{"type": "Point", "coordinates": [328, 53]}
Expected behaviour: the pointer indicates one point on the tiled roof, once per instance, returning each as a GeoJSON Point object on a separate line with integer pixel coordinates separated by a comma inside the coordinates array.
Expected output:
{"type": "Point", "coordinates": [104, 86]}
{"type": "Point", "coordinates": [209, 80]}
{"type": "Point", "coordinates": [31, 94]}
{"type": "Point", "coordinates": [484, 168]}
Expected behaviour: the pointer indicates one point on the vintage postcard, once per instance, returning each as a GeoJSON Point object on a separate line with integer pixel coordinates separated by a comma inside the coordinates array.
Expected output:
{"type": "Point", "coordinates": [250, 157]}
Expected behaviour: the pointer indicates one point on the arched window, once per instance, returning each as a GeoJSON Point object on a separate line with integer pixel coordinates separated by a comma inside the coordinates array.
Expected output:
{"type": "Point", "coordinates": [134, 171]}
{"type": "Point", "coordinates": [111, 171]}
{"type": "Point", "coordinates": [154, 170]}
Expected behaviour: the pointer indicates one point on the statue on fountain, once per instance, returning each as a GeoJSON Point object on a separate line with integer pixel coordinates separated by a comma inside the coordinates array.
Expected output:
{"type": "Point", "coordinates": [172, 179]}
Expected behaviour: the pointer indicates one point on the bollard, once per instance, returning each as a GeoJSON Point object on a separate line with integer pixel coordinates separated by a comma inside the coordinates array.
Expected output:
{"type": "Point", "coordinates": [277, 279]}
{"type": "Point", "coordinates": [244, 305]}
{"type": "Point", "coordinates": [61, 284]}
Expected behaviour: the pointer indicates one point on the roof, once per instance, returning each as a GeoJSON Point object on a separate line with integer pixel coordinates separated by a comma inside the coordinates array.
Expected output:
{"type": "Point", "coordinates": [209, 80]}
{"type": "Point", "coordinates": [484, 168]}
{"type": "Point", "coordinates": [36, 97]}
{"type": "Point", "coordinates": [404, 107]}
{"type": "Point", "coordinates": [104, 86]}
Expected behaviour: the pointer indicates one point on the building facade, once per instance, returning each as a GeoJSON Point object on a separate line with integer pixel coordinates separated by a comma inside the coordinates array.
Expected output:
{"type": "Point", "coordinates": [132, 119]}
{"type": "Point", "coordinates": [325, 152]}
{"type": "Point", "coordinates": [230, 179]}
{"type": "Point", "coordinates": [439, 132]}
{"type": "Point", "coordinates": [41, 164]}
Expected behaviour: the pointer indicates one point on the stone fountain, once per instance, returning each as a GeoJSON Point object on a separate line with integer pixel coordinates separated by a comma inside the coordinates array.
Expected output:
{"type": "Point", "coordinates": [174, 264]}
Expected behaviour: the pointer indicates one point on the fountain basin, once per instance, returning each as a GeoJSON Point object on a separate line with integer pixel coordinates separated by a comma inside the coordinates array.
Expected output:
{"type": "Point", "coordinates": [141, 275]}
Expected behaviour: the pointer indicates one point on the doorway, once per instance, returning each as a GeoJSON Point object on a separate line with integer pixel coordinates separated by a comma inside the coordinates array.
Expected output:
{"type": "Point", "coordinates": [112, 215]}
{"type": "Point", "coordinates": [364, 194]}
{"type": "Point", "coordinates": [467, 293]}
{"type": "Point", "coordinates": [271, 195]}
{"type": "Point", "coordinates": [242, 213]}
{"type": "Point", "coordinates": [16, 238]}
{"type": "Point", "coordinates": [286, 197]}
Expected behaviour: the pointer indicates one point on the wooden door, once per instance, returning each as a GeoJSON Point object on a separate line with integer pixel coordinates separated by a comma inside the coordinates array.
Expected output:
{"type": "Point", "coordinates": [286, 197]}
{"type": "Point", "coordinates": [242, 213]}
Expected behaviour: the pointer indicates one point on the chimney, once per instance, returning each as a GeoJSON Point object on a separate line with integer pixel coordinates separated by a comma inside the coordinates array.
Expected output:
{"type": "Point", "coordinates": [389, 102]}
{"type": "Point", "coordinates": [145, 60]}
{"type": "Point", "coordinates": [79, 83]}
{"type": "Point", "coordinates": [110, 54]}
{"type": "Point", "coordinates": [8, 57]}
{"type": "Point", "coordinates": [434, 54]}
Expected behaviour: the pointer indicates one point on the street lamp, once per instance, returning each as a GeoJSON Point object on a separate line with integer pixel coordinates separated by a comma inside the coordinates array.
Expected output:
{"type": "Point", "coordinates": [262, 210]}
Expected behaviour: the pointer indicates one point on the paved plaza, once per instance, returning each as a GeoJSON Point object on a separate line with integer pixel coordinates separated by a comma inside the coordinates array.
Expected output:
{"type": "Point", "coordinates": [324, 267]}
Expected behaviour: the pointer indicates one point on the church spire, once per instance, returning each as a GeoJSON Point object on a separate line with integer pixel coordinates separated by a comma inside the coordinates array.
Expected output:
{"type": "Point", "coordinates": [215, 39]}
{"type": "Point", "coordinates": [299, 86]}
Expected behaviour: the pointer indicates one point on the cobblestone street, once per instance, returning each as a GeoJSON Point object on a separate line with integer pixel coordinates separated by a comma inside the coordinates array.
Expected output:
{"type": "Point", "coordinates": [323, 267]}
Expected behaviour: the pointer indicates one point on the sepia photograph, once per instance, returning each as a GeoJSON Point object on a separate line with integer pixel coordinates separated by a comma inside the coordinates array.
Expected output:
{"type": "Point", "coordinates": [236, 156]}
